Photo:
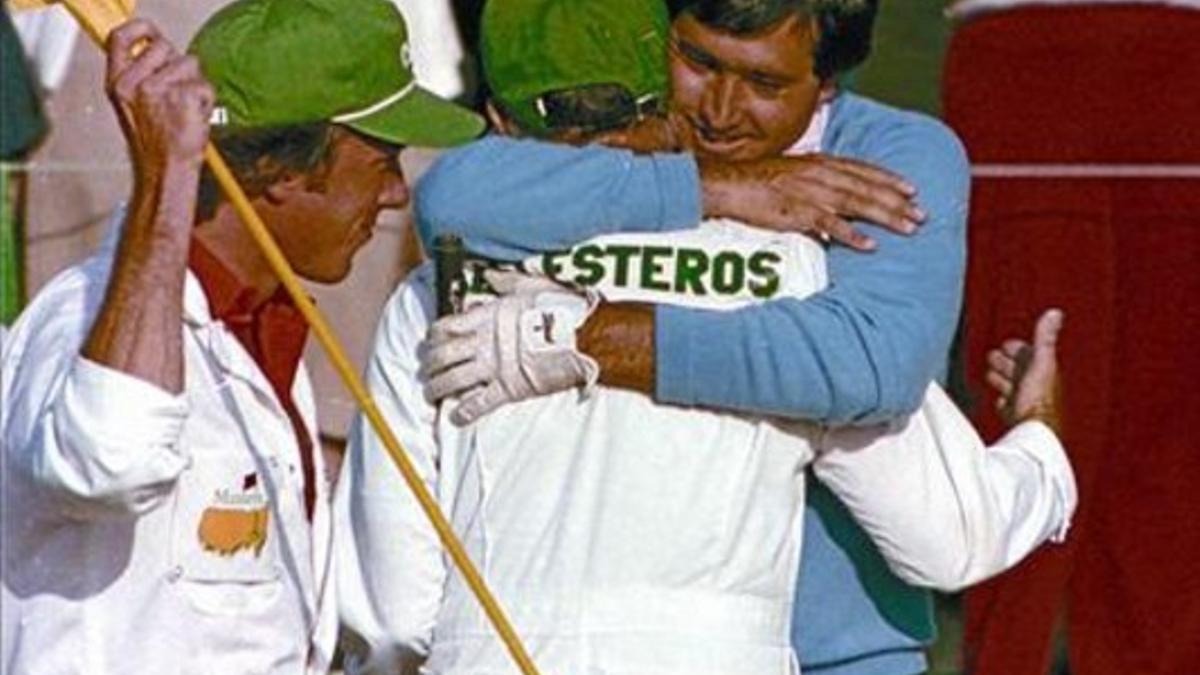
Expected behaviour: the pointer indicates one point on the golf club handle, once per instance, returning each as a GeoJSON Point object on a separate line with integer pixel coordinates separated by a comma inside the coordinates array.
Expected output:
{"type": "Point", "coordinates": [449, 258]}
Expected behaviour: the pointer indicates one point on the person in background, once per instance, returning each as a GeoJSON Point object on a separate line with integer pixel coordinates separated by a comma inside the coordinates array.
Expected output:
{"type": "Point", "coordinates": [1086, 191]}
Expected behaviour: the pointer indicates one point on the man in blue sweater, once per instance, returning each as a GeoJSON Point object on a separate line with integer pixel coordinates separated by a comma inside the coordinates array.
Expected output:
{"type": "Point", "coordinates": [752, 80]}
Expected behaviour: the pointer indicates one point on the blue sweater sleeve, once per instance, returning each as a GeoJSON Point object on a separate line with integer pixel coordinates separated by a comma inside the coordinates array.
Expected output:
{"type": "Point", "coordinates": [510, 198]}
{"type": "Point", "coordinates": [865, 349]}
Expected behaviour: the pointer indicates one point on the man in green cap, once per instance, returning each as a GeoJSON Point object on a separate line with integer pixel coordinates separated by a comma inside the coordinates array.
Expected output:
{"type": "Point", "coordinates": [165, 505]}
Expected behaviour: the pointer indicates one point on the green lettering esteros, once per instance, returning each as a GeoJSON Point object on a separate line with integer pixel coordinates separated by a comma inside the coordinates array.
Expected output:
{"type": "Point", "coordinates": [763, 265]}
{"type": "Point", "coordinates": [622, 254]}
{"type": "Point", "coordinates": [651, 270]}
{"type": "Point", "coordinates": [551, 265]}
{"type": "Point", "coordinates": [587, 261]}
{"type": "Point", "coordinates": [690, 266]}
{"type": "Point", "coordinates": [729, 273]}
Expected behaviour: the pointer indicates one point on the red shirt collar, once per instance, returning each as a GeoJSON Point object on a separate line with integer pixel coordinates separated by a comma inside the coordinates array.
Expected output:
{"type": "Point", "coordinates": [272, 331]}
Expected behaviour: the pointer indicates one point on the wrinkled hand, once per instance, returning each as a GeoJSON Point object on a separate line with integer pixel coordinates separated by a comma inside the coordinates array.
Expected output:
{"type": "Point", "coordinates": [814, 194]}
{"type": "Point", "coordinates": [161, 99]}
{"type": "Point", "coordinates": [1025, 376]}
{"type": "Point", "coordinates": [520, 346]}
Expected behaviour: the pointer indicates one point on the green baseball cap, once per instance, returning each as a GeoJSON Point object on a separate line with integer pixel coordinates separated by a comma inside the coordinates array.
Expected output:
{"type": "Point", "coordinates": [534, 47]}
{"type": "Point", "coordinates": [286, 62]}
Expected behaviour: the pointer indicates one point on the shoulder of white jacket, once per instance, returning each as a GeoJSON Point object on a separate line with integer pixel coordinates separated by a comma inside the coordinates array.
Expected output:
{"type": "Point", "coordinates": [70, 297]}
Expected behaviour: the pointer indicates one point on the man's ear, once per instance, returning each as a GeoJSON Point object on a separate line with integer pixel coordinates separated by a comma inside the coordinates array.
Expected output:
{"type": "Point", "coordinates": [500, 122]}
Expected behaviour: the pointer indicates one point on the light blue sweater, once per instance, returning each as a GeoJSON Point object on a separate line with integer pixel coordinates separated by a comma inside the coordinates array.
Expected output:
{"type": "Point", "coordinates": [861, 351]}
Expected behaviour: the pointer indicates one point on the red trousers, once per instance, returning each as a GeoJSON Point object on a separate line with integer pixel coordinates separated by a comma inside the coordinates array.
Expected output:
{"type": "Point", "coordinates": [1081, 122]}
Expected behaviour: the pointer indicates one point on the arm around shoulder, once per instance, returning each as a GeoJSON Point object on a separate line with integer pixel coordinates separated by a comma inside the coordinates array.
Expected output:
{"type": "Point", "coordinates": [864, 349]}
{"type": "Point", "coordinates": [901, 304]}
{"type": "Point", "coordinates": [945, 511]}
{"type": "Point", "coordinates": [510, 198]}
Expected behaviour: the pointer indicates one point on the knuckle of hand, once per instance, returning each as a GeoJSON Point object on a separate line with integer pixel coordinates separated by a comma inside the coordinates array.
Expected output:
{"type": "Point", "coordinates": [126, 89]}
{"type": "Point", "coordinates": [122, 33]}
{"type": "Point", "coordinates": [191, 66]}
{"type": "Point", "coordinates": [893, 200]}
{"type": "Point", "coordinates": [809, 172]}
{"type": "Point", "coordinates": [196, 96]}
{"type": "Point", "coordinates": [148, 90]}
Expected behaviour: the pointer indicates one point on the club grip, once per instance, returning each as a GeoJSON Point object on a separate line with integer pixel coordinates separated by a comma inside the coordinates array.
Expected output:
{"type": "Point", "coordinates": [449, 258]}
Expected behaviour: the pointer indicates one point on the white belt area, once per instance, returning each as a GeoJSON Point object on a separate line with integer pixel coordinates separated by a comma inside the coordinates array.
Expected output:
{"type": "Point", "coordinates": [639, 630]}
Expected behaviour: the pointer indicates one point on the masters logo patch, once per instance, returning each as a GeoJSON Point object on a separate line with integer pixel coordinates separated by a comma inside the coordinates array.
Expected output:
{"type": "Point", "coordinates": [237, 521]}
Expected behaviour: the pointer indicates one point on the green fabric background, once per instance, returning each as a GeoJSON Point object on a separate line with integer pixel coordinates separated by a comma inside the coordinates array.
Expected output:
{"type": "Point", "coordinates": [21, 126]}
{"type": "Point", "coordinates": [905, 66]}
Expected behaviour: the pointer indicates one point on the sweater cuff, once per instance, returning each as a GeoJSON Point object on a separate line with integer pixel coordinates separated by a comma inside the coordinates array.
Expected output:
{"type": "Point", "coordinates": [673, 355]}
{"type": "Point", "coordinates": [681, 201]}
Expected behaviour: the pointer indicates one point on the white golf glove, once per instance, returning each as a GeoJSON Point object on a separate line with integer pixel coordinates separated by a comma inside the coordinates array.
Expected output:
{"type": "Point", "coordinates": [519, 346]}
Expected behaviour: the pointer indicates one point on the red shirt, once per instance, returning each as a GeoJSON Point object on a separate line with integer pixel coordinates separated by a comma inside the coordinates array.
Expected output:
{"type": "Point", "coordinates": [273, 332]}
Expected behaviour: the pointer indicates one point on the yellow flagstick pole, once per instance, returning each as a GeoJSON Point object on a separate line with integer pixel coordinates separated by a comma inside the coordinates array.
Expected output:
{"type": "Point", "coordinates": [354, 383]}
{"type": "Point", "coordinates": [99, 18]}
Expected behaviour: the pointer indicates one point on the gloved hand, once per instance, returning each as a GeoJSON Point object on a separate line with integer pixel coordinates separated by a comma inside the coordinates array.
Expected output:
{"type": "Point", "coordinates": [519, 346]}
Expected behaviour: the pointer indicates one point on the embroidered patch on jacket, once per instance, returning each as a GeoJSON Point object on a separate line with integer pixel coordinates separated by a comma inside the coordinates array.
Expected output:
{"type": "Point", "coordinates": [237, 521]}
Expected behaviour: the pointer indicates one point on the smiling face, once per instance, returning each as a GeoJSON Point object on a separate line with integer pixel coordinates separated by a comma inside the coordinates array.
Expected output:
{"type": "Point", "coordinates": [740, 97]}
{"type": "Point", "coordinates": [329, 215]}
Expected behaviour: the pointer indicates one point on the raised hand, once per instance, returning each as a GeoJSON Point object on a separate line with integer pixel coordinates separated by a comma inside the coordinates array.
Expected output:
{"type": "Point", "coordinates": [163, 104]}
{"type": "Point", "coordinates": [160, 96]}
{"type": "Point", "coordinates": [1025, 376]}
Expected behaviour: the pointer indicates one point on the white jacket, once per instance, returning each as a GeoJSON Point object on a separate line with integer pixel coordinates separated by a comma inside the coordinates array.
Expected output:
{"type": "Point", "coordinates": [627, 537]}
{"type": "Point", "coordinates": [110, 485]}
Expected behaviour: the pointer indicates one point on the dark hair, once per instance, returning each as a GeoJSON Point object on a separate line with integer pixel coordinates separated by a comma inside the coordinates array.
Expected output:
{"type": "Point", "coordinates": [845, 25]}
{"type": "Point", "coordinates": [259, 157]}
{"type": "Point", "coordinates": [586, 109]}
{"type": "Point", "coordinates": [596, 108]}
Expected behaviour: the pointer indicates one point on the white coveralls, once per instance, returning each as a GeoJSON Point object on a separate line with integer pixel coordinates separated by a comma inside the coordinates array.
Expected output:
{"type": "Point", "coordinates": [110, 485]}
{"type": "Point", "coordinates": [625, 537]}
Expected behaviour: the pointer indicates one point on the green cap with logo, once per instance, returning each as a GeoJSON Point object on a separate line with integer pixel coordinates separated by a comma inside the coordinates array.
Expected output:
{"type": "Point", "coordinates": [289, 62]}
{"type": "Point", "coordinates": [532, 47]}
